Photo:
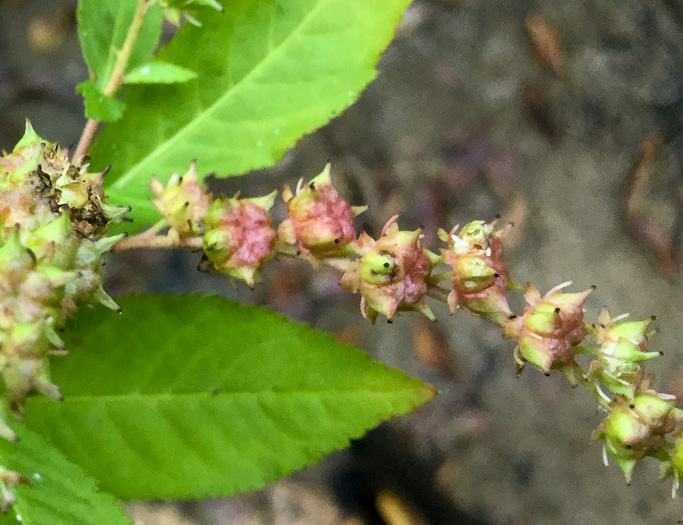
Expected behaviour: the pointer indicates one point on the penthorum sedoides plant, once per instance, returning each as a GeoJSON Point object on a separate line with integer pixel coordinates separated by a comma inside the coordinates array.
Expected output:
{"type": "Point", "coordinates": [190, 396]}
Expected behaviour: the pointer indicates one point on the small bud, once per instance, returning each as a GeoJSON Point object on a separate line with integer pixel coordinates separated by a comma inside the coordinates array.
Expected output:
{"type": "Point", "coordinates": [56, 241]}
{"type": "Point", "coordinates": [393, 275]}
{"type": "Point", "coordinates": [8, 480]}
{"type": "Point", "coordinates": [320, 220]}
{"type": "Point", "coordinates": [5, 431]}
{"type": "Point", "coordinates": [239, 236]}
{"type": "Point", "coordinates": [609, 330]}
{"type": "Point", "coordinates": [674, 466]}
{"type": "Point", "coordinates": [546, 336]}
{"type": "Point", "coordinates": [184, 202]}
{"type": "Point", "coordinates": [20, 374]}
{"type": "Point", "coordinates": [25, 157]}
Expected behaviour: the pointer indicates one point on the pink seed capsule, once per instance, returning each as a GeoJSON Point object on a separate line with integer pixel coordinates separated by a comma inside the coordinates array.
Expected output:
{"type": "Point", "coordinates": [239, 236]}
{"type": "Point", "coordinates": [319, 219]}
{"type": "Point", "coordinates": [549, 329]}
{"type": "Point", "coordinates": [479, 276]}
{"type": "Point", "coordinates": [393, 275]}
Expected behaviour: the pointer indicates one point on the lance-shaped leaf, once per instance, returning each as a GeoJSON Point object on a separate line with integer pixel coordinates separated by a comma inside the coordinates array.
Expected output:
{"type": "Point", "coordinates": [269, 72]}
{"type": "Point", "coordinates": [190, 396]}
{"type": "Point", "coordinates": [159, 73]}
{"type": "Point", "coordinates": [53, 490]}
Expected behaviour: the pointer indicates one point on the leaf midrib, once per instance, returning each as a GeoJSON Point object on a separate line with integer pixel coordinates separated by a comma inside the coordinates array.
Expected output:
{"type": "Point", "coordinates": [274, 51]}
{"type": "Point", "coordinates": [113, 52]}
{"type": "Point", "coordinates": [223, 395]}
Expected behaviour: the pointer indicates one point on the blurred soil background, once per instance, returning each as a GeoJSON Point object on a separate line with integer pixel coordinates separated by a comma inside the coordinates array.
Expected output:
{"type": "Point", "coordinates": [564, 117]}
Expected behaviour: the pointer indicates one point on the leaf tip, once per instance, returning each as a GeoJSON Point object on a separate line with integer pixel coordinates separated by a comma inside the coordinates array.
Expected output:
{"type": "Point", "coordinates": [430, 393]}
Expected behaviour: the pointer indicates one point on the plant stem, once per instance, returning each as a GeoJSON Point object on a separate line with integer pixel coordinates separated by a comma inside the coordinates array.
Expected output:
{"type": "Point", "coordinates": [156, 228]}
{"type": "Point", "coordinates": [86, 138]}
{"type": "Point", "coordinates": [286, 250]}
{"type": "Point", "coordinates": [575, 373]}
{"type": "Point", "coordinates": [116, 77]}
{"type": "Point", "coordinates": [145, 240]}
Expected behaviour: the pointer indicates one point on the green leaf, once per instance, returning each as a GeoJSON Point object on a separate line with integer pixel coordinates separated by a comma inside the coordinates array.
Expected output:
{"type": "Point", "coordinates": [99, 106]}
{"type": "Point", "coordinates": [190, 396]}
{"type": "Point", "coordinates": [159, 73]}
{"type": "Point", "coordinates": [269, 72]}
{"type": "Point", "coordinates": [102, 29]}
{"type": "Point", "coordinates": [58, 492]}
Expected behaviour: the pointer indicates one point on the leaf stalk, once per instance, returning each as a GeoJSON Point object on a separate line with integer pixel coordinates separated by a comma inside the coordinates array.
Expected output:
{"type": "Point", "coordinates": [117, 73]}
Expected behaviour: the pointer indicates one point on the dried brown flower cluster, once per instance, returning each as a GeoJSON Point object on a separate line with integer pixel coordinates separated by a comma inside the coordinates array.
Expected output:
{"type": "Point", "coordinates": [53, 232]}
